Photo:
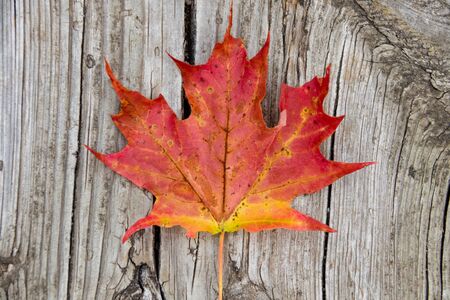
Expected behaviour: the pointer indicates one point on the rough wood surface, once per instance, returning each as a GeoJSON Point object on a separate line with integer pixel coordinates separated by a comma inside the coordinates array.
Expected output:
{"type": "Point", "coordinates": [63, 213]}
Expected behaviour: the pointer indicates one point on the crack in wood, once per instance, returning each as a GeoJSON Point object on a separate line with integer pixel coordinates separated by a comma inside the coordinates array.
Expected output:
{"type": "Point", "coordinates": [77, 162]}
{"type": "Point", "coordinates": [329, 190]}
{"type": "Point", "coordinates": [194, 252]}
{"type": "Point", "coordinates": [444, 232]}
{"type": "Point", "coordinates": [144, 285]}
{"type": "Point", "coordinates": [408, 50]}
{"type": "Point", "coordinates": [189, 47]}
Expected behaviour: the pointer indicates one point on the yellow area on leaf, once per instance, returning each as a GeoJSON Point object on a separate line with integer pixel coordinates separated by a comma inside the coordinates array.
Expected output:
{"type": "Point", "coordinates": [195, 224]}
{"type": "Point", "coordinates": [260, 216]}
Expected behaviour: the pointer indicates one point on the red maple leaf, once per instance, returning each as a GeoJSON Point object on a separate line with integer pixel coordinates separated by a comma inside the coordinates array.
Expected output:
{"type": "Point", "coordinates": [222, 169]}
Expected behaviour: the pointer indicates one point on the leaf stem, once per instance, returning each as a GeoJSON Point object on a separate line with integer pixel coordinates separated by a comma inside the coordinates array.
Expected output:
{"type": "Point", "coordinates": [220, 264]}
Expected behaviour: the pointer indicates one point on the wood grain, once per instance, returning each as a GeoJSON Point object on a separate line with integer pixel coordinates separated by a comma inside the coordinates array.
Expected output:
{"type": "Point", "coordinates": [63, 213]}
{"type": "Point", "coordinates": [41, 46]}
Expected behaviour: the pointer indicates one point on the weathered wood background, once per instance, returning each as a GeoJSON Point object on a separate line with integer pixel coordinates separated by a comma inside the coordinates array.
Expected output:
{"type": "Point", "coordinates": [63, 213]}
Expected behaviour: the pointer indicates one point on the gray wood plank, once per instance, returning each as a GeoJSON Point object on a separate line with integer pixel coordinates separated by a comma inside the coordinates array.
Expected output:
{"type": "Point", "coordinates": [392, 245]}
{"type": "Point", "coordinates": [40, 73]}
{"type": "Point", "coordinates": [133, 36]}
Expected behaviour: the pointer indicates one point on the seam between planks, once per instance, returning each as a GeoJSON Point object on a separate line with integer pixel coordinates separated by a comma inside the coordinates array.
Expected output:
{"type": "Point", "coordinates": [77, 162]}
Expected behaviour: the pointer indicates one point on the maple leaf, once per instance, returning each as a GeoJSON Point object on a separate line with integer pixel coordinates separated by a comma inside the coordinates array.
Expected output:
{"type": "Point", "coordinates": [222, 169]}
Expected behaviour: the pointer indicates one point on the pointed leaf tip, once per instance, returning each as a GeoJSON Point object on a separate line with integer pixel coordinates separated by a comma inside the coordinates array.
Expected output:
{"type": "Point", "coordinates": [116, 84]}
{"type": "Point", "coordinates": [230, 20]}
{"type": "Point", "coordinates": [139, 225]}
{"type": "Point", "coordinates": [108, 69]}
{"type": "Point", "coordinates": [96, 154]}
{"type": "Point", "coordinates": [330, 230]}
{"type": "Point", "coordinates": [179, 63]}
